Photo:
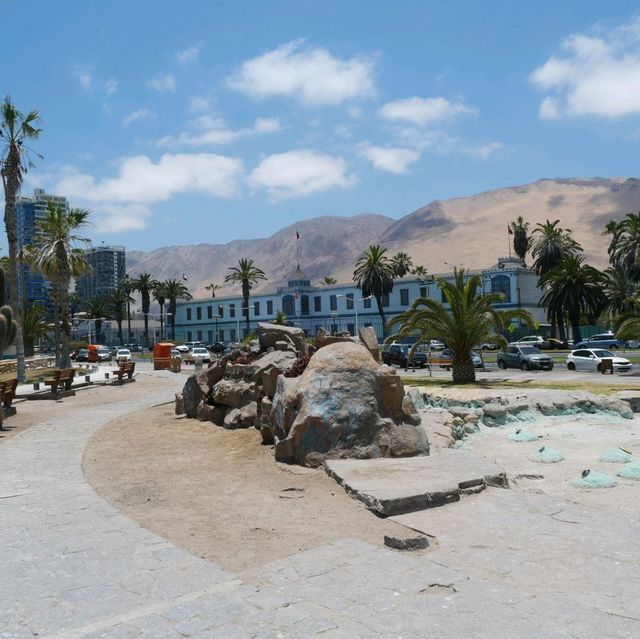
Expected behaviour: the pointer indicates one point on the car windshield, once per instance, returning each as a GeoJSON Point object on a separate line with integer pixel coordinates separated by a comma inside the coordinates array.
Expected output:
{"type": "Point", "coordinates": [530, 350]}
{"type": "Point", "coordinates": [124, 351]}
{"type": "Point", "coordinates": [603, 353]}
{"type": "Point", "coordinates": [103, 350]}
{"type": "Point", "coordinates": [200, 351]}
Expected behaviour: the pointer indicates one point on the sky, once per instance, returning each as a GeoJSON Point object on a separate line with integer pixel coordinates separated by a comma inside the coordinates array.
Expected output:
{"type": "Point", "coordinates": [208, 121]}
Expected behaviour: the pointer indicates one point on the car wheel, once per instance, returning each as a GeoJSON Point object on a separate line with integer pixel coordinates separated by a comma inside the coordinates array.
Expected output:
{"type": "Point", "coordinates": [551, 367]}
{"type": "Point", "coordinates": [525, 366]}
{"type": "Point", "coordinates": [501, 365]}
{"type": "Point", "coordinates": [571, 366]}
{"type": "Point", "coordinates": [599, 368]}
{"type": "Point", "coordinates": [614, 347]}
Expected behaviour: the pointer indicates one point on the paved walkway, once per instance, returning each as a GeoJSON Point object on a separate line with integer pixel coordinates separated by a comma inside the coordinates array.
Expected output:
{"type": "Point", "coordinates": [73, 566]}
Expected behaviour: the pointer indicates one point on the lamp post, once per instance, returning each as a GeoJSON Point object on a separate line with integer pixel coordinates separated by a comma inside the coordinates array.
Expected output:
{"type": "Point", "coordinates": [217, 318]}
{"type": "Point", "coordinates": [240, 309]}
{"type": "Point", "coordinates": [334, 316]}
{"type": "Point", "coordinates": [353, 300]}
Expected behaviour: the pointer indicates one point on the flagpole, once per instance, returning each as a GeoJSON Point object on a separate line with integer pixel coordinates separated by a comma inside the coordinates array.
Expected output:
{"type": "Point", "coordinates": [509, 240]}
{"type": "Point", "coordinates": [298, 248]}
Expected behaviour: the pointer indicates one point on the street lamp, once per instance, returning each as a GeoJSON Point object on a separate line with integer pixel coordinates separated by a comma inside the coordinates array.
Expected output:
{"type": "Point", "coordinates": [334, 315]}
{"type": "Point", "coordinates": [240, 309]}
{"type": "Point", "coordinates": [355, 306]}
{"type": "Point", "coordinates": [217, 318]}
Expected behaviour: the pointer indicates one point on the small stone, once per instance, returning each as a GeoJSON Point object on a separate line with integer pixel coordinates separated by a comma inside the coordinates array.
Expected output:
{"type": "Point", "coordinates": [408, 543]}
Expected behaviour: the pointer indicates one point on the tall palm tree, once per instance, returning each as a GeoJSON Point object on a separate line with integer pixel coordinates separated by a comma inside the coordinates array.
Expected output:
{"type": "Point", "coordinates": [213, 287]}
{"type": "Point", "coordinates": [402, 264]}
{"type": "Point", "coordinates": [117, 308]}
{"type": "Point", "coordinates": [99, 309]}
{"type": "Point", "coordinates": [175, 290]}
{"type": "Point", "coordinates": [374, 276]}
{"type": "Point", "coordinates": [624, 249]}
{"type": "Point", "coordinates": [16, 130]}
{"type": "Point", "coordinates": [128, 288]}
{"type": "Point", "coordinates": [521, 239]}
{"type": "Point", "coordinates": [160, 295]}
{"type": "Point", "coordinates": [465, 319]}
{"type": "Point", "coordinates": [621, 290]}
{"type": "Point", "coordinates": [57, 255]}
{"type": "Point", "coordinates": [575, 287]}
{"type": "Point", "coordinates": [144, 283]}
{"type": "Point", "coordinates": [420, 272]}
{"type": "Point", "coordinates": [328, 281]}
{"type": "Point", "coordinates": [245, 274]}
{"type": "Point", "coordinates": [34, 326]}
{"type": "Point", "coordinates": [550, 243]}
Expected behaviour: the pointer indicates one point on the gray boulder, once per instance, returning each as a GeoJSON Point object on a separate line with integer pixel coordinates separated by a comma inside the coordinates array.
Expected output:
{"type": "Point", "coordinates": [244, 417]}
{"type": "Point", "coordinates": [369, 338]}
{"type": "Point", "coordinates": [192, 395]}
{"type": "Point", "coordinates": [233, 392]}
{"type": "Point", "coordinates": [269, 334]}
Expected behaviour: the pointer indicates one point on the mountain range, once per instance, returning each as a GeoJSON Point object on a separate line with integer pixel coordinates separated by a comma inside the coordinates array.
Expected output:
{"type": "Point", "coordinates": [466, 231]}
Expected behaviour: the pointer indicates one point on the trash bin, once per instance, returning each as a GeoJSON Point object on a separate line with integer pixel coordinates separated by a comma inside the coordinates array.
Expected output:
{"type": "Point", "coordinates": [162, 356]}
{"type": "Point", "coordinates": [606, 365]}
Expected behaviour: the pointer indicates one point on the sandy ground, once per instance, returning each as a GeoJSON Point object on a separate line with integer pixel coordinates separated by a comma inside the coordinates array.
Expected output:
{"type": "Point", "coordinates": [219, 494]}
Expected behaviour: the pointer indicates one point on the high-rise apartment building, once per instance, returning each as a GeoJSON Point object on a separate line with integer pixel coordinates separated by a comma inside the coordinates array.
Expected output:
{"type": "Point", "coordinates": [106, 274]}
{"type": "Point", "coordinates": [33, 285]}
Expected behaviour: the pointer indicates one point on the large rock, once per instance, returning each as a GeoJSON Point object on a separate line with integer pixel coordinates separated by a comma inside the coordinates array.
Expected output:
{"type": "Point", "coordinates": [324, 338]}
{"type": "Point", "coordinates": [244, 417]}
{"type": "Point", "coordinates": [369, 338]}
{"type": "Point", "coordinates": [269, 334]}
{"type": "Point", "coordinates": [233, 392]}
{"type": "Point", "coordinates": [192, 395]}
{"type": "Point", "coordinates": [345, 405]}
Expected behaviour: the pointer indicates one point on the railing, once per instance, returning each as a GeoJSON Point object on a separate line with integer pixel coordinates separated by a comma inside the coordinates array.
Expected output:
{"type": "Point", "coordinates": [31, 363]}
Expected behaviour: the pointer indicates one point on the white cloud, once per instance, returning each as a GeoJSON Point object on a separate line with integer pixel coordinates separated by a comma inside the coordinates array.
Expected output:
{"type": "Point", "coordinates": [84, 78]}
{"type": "Point", "coordinates": [163, 83]}
{"type": "Point", "coordinates": [309, 74]}
{"type": "Point", "coordinates": [123, 202]}
{"type": "Point", "coordinates": [395, 160]}
{"type": "Point", "coordinates": [199, 104]}
{"type": "Point", "coordinates": [442, 143]}
{"type": "Point", "coordinates": [111, 86]}
{"type": "Point", "coordinates": [300, 173]}
{"type": "Point", "coordinates": [211, 131]}
{"type": "Point", "coordinates": [422, 111]}
{"type": "Point", "coordinates": [135, 116]}
{"type": "Point", "coordinates": [483, 151]}
{"type": "Point", "coordinates": [594, 75]}
{"type": "Point", "coordinates": [188, 55]}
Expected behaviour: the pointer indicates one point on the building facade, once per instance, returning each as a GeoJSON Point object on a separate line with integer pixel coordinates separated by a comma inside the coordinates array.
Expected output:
{"type": "Point", "coordinates": [29, 210]}
{"type": "Point", "coordinates": [341, 307]}
{"type": "Point", "coordinates": [108, 267]}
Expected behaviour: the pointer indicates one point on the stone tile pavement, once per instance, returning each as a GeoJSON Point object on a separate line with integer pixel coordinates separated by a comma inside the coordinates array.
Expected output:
{"type": "Point", "coordinates": [73, 566]}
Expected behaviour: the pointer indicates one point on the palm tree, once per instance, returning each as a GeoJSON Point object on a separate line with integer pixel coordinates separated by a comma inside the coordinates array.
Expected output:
{"type": "Point", "coordinates": [16, 129]}
{"type": "Point", "coordinates": [550, 243]}
{"type": "Point", "coordinates": [621, 290]}
{"type": "Point", "coordinates": [402, 264]}
{"type": "Point", "coordinates": [127, 286]}
{"type": "Point", "coordinates": [213, 287]}
{"type": "Point", "coordinates": [624, 249]}
{"type": "Point", "coordinates": [521, 239]}
{"type": "Point", "coordinates": [466, 319]}
{"type": "Point", "coordinates": [421, 273]}
{"type": "Point", "coordinates": [245, 274]}
{"type": "Point", "coordinates": [575, 288]}
{"type": "Point", "coordinates": [328, 281]}
{"type": "Point", "coordinates": [34, 326]}
{"type": "Point", "coordinates": [117, 308]}
{"type": "Point", "coordinates": [175, 290]}
{"type": "Point", "coordinates": [56, 254]}
{"type": "Point", "coordinates": [374, 276]}
{"type": "Point", "coordinates": [144, 284]}
{"type": "Point", "coordinates": [160, 296]}
{"type": "Point", "coordinates": [99, 309]}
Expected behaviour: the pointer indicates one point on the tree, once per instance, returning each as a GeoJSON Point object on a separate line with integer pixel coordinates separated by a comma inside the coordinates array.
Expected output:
{"type": "Point", "coordinates": [144, 283]}
{"type": "Point", "coordinates": [328, 281]}
{"type": "Point", "coordinates": [420, 272]}
{"type": "Point", "coordinates": [550, 243]}
{"type": "Point", "coordinates": [402, 264]}
{"type": "Point", "coordinates": [213, 287]}
{"type": "Point", "coordinates": [128, 288]}
{"type": "Point", "coordinates": [374, 276]}
{"type": "Point", "coordinates": [16, 130]}
{"type": "Point", "coordinates": [624, 249]}
{"type": "Point", "coordinates": [245, 274]}
{"type": "Point", "coordinates": [466, 318]}
{"type": "Point", "coordinates": [34, 326]}
{"type": "Point", "coordinates": [521, 239]}
{"type": "Point", "coordinates": [280, 318]}
{"type": "Point", "coordinates": [117, 308]}
{"type": "Point", "coordinates": [56, 254]}
{"type": "Point", "coordinates": [575, 288]}
{"type": "Point", "coordinates": [8, 326]}
{"type": "Point", "coordinates": [160, 296]}
{"type": "Point", "coordinates": [621, 291]}
{"type": "Point", "coordinates": [175, 290]}
{"type": "Point", "coordinates": [99, 309]}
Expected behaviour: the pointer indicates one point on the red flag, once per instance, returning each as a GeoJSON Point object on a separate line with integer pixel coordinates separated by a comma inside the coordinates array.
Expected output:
{"type": "Point", "coordinates": [509, 230]}
{"type": "Point", "coordinates": [297, 235]}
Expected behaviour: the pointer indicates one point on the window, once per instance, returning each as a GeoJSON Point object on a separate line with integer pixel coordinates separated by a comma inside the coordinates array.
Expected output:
{"type": "Point", "coordinates": [232, 310]}
{"type": "Point", "coordinates": [256, 308]}
{"type": "Point", "coordinates": [349, 300]}
{"type": "Point", "coordinates": [333, 303]}
{"type": "Point", "coordinates": [221, 311]}
{"type": "Point", "coordinates": [289, 305]}
{"type": "Point", "coordinates": [351, 328]}
{"type": "Point", "coordinates": [189, 336]}
{"type": "Point", "coordinates": [199, 313]}
{"type": "Point", "coordinates": [199, 336]}
{"type": "Point", "coordinates": [502, 284]}
{"type": "Point", "coordinates": [232, 334]}
{"type": "Point", "coordinates": [367, 302]}
{"type": "Point", "coordinates": [404, 297]}
{"type": "Point", "coordinates": [210, 335]}
{"type": "Point", "coordinates": [221, 335]}
{"type": "Point", "coordinates": [304, 305]}
{"type": "Point", "coordinates": [209, 312]}
{"type": "Point", "coordinates": [423, 291]}
{"type": "Point", "coordinates": [269, 307]}
{"type": "Point", "coordinates": [317, 304]}
{"type": "Point", "coordinates": [385, 299]}
{"type": "Point", "coordinates": [189, 317]}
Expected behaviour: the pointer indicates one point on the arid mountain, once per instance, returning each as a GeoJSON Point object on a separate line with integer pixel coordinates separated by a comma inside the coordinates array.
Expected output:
{"type": "Point", "coordinates": [468, 231]}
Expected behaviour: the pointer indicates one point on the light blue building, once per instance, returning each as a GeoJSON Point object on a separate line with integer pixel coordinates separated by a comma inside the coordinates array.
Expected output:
{"type": "Point", "coordinates": [341, 307]}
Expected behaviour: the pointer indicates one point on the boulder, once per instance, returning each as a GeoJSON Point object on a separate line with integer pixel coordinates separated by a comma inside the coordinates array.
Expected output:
{"type": "Point", "coordinates": [215, 372]}
{"type": "Point", "coordinates": [269, 334]}
{"type": "Point", "coordinates": [233, 392]}
{"type": "Point", "coordinates": [212, 413]}
{"type": "Point", "coordinates": [244, 417]}
{"type": "Point", "coordinates": [323, 338]}
{"type": "Point", "coordinates": [369, 338]}
{"type": "Point", "coordinates": [344, 405]}
{"type": "Point", "coordinates": [179, 404]}
{"type": "Point", "coordinates": [192, 395]}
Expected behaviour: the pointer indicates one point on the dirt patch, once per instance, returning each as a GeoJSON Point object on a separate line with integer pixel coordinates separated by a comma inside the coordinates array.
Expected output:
{"type": "Point", "coordinates": [219, 494]}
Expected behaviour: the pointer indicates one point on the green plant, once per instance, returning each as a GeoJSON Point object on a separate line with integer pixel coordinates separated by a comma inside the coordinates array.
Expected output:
{"type": "Point", "coordinates": [521, 239]}
{"type": "Point", "coordinates": [245, 274]}
{"type": "Point", "coordinates": [250, 337]}
{"type": "Point", "coordinates": [280, 319]}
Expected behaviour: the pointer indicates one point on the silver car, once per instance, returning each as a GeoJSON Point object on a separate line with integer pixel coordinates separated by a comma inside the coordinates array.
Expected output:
{"type": "Point", "coordinates": [584, 359]}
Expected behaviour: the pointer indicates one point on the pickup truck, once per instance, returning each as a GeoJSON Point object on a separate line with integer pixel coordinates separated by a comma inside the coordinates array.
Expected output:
{"type": "Point", "coordinates": [398, 354]}
{"type": "Point", "coordinates": [524, 357]}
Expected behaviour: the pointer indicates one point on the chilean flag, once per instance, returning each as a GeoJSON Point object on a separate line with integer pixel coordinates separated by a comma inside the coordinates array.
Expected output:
{"type": "Point", "coordinates": [509, 230]}
{"type": "Point", "coordinates": [297, 235]}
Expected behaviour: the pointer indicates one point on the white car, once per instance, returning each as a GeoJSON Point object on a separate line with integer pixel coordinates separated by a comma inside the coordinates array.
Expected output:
{"type": "Point", "coordinates": [183, 348]}
{"type": "Point", "coordinates": [123, 355]}
{"type": "Point", "coordinates": [591, 360]}
{"type": "Point", "coordinates": [531, 340]}
{"type": "Point", "coordinates": [198, 354]}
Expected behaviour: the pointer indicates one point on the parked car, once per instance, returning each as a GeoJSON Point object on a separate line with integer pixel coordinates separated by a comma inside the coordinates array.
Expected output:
{"type": "Point", "coordinates": [435, 345]}
{"type": "Point", "coordinates": [197, 354]}
{"type": "Point", "coordinates": [219, 348]}
{"type": "Point", "coordinates": [82, 355]}
{"type": "Point", "coordinates": [557, 344]}
{"type": "Point", "coordinates": [183, 348]}
{"type": "Point", "coordinates": [445, 359]}
{"type": "Point", "coordinates": [524, 357]}
{"type": "Point", "coordinates": [104, 354]}
{"type": "Point", "coordinates": [114, 350]}
{"type": "Point", "coordinates": [134, 348]}
{"type": "Point", "coordinates": [591, 360]}
{"type": "Point", "coordinates": [123, 355]}
{"type": "Point", "coordinates": [399, 354]}
{"type": "Point", "coordinates": [605, 341]}
{"type": "Point", "coordinates": [532, 340]}
{"type": "Point", "coordinates": [176, 353]}
{"type": "Point", "coordinates": [633, 343]}
{"type": "Point", "coordinates": [489, 346]}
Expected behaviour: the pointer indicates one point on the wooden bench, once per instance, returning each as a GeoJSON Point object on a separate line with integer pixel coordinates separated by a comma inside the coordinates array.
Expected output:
{"type": "Point", "coordinates": [126, 368]}
{"type": "Point", "coordinates": [62, 377]}
{"type": "Point", "coordinates": [8, 392]}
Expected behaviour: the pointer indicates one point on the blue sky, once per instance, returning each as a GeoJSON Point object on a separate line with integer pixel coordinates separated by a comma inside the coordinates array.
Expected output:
{"type": "Point", "coordinates": [212, 121]}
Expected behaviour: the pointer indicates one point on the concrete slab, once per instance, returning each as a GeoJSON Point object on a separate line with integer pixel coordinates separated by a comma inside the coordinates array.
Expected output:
{"type": "Point", "coordinates": [402, 485]}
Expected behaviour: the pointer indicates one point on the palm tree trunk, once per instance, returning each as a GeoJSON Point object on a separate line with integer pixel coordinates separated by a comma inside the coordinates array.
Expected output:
{"type": "Point", "coordinates": [129, 321]}
{"type": "Point", "coordinates": [382, 317]}
{"type": "Point", "coordinates": [65, 277]}
{"type": "Point", "coordinates": [146, 329]}
{"type": "Point", "coordinates": [119, 323]}
{"type": "Point", "coordinates": [575, 328]}
{"type": "Point", "coordinates": [11, 186]}
{"type": "Point", "coordinates": [463, 371]}
{"type": "Point", "coordinates": [245, 302]}
{"type": "Point", "coordinates": [161, 323]}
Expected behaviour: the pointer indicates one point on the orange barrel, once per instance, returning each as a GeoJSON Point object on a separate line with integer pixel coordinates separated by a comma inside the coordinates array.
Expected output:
{"type": "Point", "coordinates": [162, 355]}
